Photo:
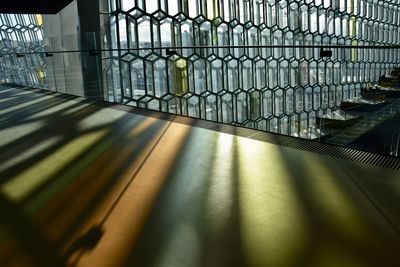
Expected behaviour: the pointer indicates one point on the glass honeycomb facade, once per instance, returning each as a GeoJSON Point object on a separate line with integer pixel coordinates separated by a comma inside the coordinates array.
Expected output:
{"type": "Point", "coordinates": [242, 62]}
{"type": "Point", "coordinates": [216, 77]}
{"type": "Point", "coordinates": [20, 34]}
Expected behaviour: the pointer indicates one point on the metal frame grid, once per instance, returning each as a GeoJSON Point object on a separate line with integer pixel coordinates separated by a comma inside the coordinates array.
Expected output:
{"type": "Point", "coordinates": [275, 89]}
{"type": "Point", "coordinates": [22, 33]}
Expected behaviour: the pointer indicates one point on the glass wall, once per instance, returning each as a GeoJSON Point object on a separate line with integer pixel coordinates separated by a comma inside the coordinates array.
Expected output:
{"type": "Point", "coordinates": [274, 89]}
{"type": "Point", "coordinates": [242, 62]}
{"type": "Point", "coordinates": [20, 34]}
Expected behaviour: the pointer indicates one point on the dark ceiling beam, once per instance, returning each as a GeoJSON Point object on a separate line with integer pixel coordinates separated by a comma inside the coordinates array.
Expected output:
{"type": "Point", "coordinates": [33, 6]}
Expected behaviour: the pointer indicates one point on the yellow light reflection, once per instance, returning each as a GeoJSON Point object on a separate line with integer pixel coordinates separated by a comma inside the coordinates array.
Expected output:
{"type": "Point", "coordinates": [141, 127]}
{"type": "Point", "coordinates": [102, 162]}
{"type": "Point", "coordinates": [274, 226]}
{"type": "Point", "coordinates": [335, 205]}
{"type": "Point", "coordinates": [329, 254]}
{"type": "Point", "coordinates": [19, 187]}
{"type": "Point", "coordinates": [220, 193]}
{"type": "Point", "coordinates": [31, 152]}
{"type": "Point", "coordinates": [127, 219]}
{"type": "Point", "coordinates": [39, 19]}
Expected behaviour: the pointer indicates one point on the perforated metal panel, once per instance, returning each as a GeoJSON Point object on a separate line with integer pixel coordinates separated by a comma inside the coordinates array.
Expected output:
{"type": "Point", "coordinates": [347, 153]}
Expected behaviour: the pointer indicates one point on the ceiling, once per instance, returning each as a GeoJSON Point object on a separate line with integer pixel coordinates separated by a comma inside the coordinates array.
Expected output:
{"type": "Point", "coordinates": [33, 6]}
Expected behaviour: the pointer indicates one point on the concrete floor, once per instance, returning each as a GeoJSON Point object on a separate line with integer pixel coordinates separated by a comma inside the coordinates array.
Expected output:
{"type": "Point", "coordinates": [87, 184]}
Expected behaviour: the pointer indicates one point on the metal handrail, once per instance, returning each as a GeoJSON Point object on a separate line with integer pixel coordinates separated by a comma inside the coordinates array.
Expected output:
{"type": "Point", "coordinates": [174, 48]}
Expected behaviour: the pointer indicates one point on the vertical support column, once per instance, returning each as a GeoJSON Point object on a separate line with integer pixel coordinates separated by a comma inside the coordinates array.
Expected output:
{"type": "Point", "coordinates": [64, 71]}
{"type": "Point", "coordinates": [109, 82]}
{"type": "Point", "coordinates": [89, 17]}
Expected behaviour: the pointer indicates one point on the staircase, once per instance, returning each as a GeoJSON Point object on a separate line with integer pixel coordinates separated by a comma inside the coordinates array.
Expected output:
{"type": "Point", "coordinates": [377, 105]}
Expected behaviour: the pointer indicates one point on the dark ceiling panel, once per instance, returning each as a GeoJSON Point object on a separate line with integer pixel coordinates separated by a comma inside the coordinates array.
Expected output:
{"type": "Point", "coordinates": [33, 6]}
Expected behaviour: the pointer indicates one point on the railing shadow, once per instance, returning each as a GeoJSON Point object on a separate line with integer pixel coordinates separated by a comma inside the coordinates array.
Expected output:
{"type": "Point", "coordinates": [55, 197]}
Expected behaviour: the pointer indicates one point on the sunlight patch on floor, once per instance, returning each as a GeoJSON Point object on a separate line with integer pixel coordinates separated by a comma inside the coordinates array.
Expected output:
{"type": "Point", "coordinates": [65, 106]}
{"type": "Point", "coordinates": [26, 104]}
{"type": "Point", "coordinates": [274, 226]}
{"type": "Point", "coordinates": [13, 133]}
{"type": "Point", "coordinates": [336, 206]}
{"type": "Point", "coordinates": [219, 201]}
{"type": "Point", "coordinates": [20, 186]}
{"type": "Point", "coordinates": [30, 152]}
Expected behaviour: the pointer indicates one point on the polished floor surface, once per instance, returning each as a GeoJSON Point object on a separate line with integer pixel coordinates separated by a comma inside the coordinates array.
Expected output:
{"type": "Point", "coordinates": [87, 183]}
